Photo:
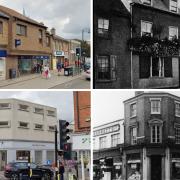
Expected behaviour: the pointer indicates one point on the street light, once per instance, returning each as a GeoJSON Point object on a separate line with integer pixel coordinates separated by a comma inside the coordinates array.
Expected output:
{"type": "Point", "coordinates": [85, 30]}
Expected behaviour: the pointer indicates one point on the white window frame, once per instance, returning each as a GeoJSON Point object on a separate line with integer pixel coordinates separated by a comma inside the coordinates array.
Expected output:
{"type": "Point", "coordinates": [147, 22]}
{"type": "Point", "coordinates": [160, 133]}
{"type": "Point", "coordinates": [23, 127]}
{"type": "Point", "coordinates": [177, 135]}
{"type": "Point", "coordinates": [161, 69]}
{"type": "Point", "coordinates": [173, 27]}
{"type": "Point", "coordinates": [5, 126]}
{"type": "Point", "coordinates": [135, 111]}
{"type": "Point", "coordinates": [170, 6]}
{"type": "Point", "coordinates": [115, 139]}
{"type": "Point", "coordinates": [155, 99]}
{"type": "Point", "coordinates": [133, 138]}
{"type": "Point", "coordinates": [104, 30]}
{"type": "Point", "coordinates": [145, 2]}
{"type": "Point", "coordinates": [102, 144]}
{"type": "Point", "coordinates": [176, 109]}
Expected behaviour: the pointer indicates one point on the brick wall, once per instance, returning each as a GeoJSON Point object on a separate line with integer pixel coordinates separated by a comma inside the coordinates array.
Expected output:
{"type": "Point", "coordinates": [4, 35]}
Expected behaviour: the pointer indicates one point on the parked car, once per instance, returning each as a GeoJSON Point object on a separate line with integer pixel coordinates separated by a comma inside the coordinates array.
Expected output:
{"type": "Point", "coordinates": [88, 74]}
{"type": "Point", "coordinates": [17, 170]}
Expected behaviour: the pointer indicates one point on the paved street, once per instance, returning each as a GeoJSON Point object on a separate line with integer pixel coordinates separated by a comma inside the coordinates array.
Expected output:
{"type": "Point", "coordinates": [36, 81]}
{"type": "Point", "coordinates": [2, 176]}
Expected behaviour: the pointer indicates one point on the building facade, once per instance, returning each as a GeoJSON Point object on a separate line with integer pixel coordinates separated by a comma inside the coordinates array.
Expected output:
{"type": "Point", "coordinates": [108, 141]}
{"type": "Point", "coordinates": [111, 55]}
{"type": "Point", "coordinates": [151, 141]}
{"type": "Point", "coordinates": [27, 130]}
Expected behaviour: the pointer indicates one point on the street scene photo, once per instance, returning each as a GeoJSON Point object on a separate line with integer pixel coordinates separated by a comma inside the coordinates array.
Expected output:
{"type": "Point", "coordinates": [45, 135]}
{"type": "Point", "coordinates": [136, 44]}
{"type": "Point", "coordinates": [45, 45]}
{"type": "Point", "coordinates": [136, 135]}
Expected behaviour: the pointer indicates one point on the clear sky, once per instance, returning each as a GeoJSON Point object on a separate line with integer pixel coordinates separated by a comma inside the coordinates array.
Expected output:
{"type": "Point", "coordinates": [61, 100]}
{"type": "Point", "coordinates": [68, 17]}
{"type": "Point", "coordinates": [108, 105]}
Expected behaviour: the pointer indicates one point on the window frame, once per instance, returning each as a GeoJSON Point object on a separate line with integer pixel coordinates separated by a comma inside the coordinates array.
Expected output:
{"type": "Point", "coordinates": [175, 27]}
{"type": "Point", "coordinates": [40, 31]}
{"type": "Point", "coordinates": [115, 141]}
{"type": "Point", "coordinates": [177, 103]}
{"type": "Point", "coordinates": [105, 32]}
{"type": "Point", "coordinates": [104, 138]}
{"type": "Point", "coordinates": [170, 6]}
{"type": "Point", "coordinates": [156, 133]}
{"type": "Point", "coordinates": [23, 109]}
{"type": "Point", "coordinates": [20, 32]}
{"type": "Point", "coordinates": [41, 129]}
{"type": "Point", "coordinates": [1, 27]}
{"type": "Point", "coordinates": [155, 99]}
{"type": "Point", "coordinates": [5, 126]}
{"type": "Point", "coordinates": [8, 107]}
{"type": "Point", "coordinates": [147, 22]}
{"type": "Point", "coordinates": [133, 139]}
{"type": "Point", "coordinates": [131, 114]}
{"type": "Point", "coordinates": [177, 138]}
{"type": "Point", "coordinates": [53, 114]}
{"type": "Point", "coordinates": [146, 3]}
{"type": "Point", "coordinates": [23, 127]}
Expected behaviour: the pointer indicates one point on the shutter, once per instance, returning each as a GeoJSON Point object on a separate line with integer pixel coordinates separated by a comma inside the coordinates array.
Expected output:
{"type": "Point", "coordinates": [113, 67]}
{"type": "Point", "coordinates": [168, 67]}
{"type": "Point", "coordinates": [144, 66]}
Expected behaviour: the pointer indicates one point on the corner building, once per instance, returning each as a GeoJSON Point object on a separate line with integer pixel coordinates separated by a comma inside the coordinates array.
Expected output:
{"type": "Point", "coordinates": [152, 136]}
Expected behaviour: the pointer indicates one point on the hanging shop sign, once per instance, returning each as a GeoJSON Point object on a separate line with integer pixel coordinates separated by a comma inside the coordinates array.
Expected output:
{"type": "Point", "coordinates": [3, 53]}
{"type": "Point", "coordinates": [59, 53]}
{"type": "Point", "coordinates": [17, 42]}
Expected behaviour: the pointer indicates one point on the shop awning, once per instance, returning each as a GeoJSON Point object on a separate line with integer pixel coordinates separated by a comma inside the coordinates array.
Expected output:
{"type": "Point", "coordinates": [3, 53]}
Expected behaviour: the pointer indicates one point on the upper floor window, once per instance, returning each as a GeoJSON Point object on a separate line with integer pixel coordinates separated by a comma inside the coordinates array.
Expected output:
{"type": "Point", "coordinates": [173, 32]}
{"type": "Point", "coordinates": [4, 124]}
{"type": "Point", "coordinates": [38, 126]}
{"type": "Point", "coordinates": [1, 27]}
{"type": "Point", "coordinates": [47, 41]}
{"type": "Point", "coordinates": [102, 142]}
{"type": "Point", "coordinates": [177, 134]}
{"type": "Point", "coordinates": [155, 106]}
{"type": "Point", "coordinates": [147, 2]}
{"type": "Point", "coordinates": [21, 30]}
{"type": "Point", "coordinates": [23, 125]}
{"type": "Point", "coordinates": [174, 5]}
{"type": "Point", "coordinates": [133, 110]}
{"type": "Point", "coordinates": [5, 105]}
{"type": "Point", "coordinates": [51, 128]}
{"type": "Point", "coordinates": [50, 113]}
{"type": "Point", "coordinates": [40, 36]}
{"type": "Point", "coordinates": [133, 135]}
{"type": "Point", "coordinates": [23, 107]}
{"type": "Point", "coordinates": [146, 28]}
{"type": "Point", "coordinates": [177, 109]}
{"type": "Point", "coordinates": [115, 140]}
{"type": "Point", "coordinates": [38, 110]}
{"type": "Point", "coordinates": [106, 67]}
{"type": "Point", "coordinates": [156, 134]}
{"type": "Point", "coordinates": [103, 26]}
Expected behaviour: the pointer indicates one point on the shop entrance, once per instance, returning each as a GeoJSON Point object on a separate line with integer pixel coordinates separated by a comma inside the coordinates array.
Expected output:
{"type": "Point", "coordinates": [2, 68]}
{"type": "Point", "coordinates": [3, 159]}
{"type": "Point", "coordinates": [156, 167]}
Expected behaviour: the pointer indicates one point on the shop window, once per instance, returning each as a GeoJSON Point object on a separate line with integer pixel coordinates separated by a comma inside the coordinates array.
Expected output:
{"type": "Point", "coordinates": [38, 110]}
{"type": "Point", "coordinates": [155, 106]}
{"type": "Point", "coordinates": [156, 134]}
{"type": "Point", "coordinates": [23, 125]}
{"type": "Point", "coordinates": [106, 67]}
{"type": "Point", "coordinates": [51, 128]}
{"type": "Point", "coordinates": [115, 140]}
{"type": "Point", "coordinates": [133, 135]}
{"type": "Point", "coordinates": [23, 107]}
{"type": "Point", "coordinates": [1, 27]}
{"type": "Point", "coordinates": [21, 30]}
{"type": "Point", "coordinates": [103, 27]}
{"type": "Point", "coordinates": [4, 124]}
{"type": "Point", "coordinates": [155, 67]}
{"type": "Point", "coordinates": [5, 105]}
{"type": "Point", "coordinates": [38, 126]}
{"type": "Point", "coordinates": [133, 110]}
{"type": "Point", "coordinates": [40, 36]}
{"type": "Point", "coordinates": [173, 32]}
{"type": "Point", "coordinates": [146, 28]}
{"type": "Point", "coordinates": [22, 155]}
{"type": "Point", "coordinates": [102, 142]}
{"type": "Point", "coordinates": [177, 109]}
{"type": "Point", "coordinates": [174, 5]}
{"type": "Point", "coordinates": [50, 113]}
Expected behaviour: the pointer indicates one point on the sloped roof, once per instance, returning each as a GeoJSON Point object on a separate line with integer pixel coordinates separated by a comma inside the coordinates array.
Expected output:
{"type": "Point", "coordinates": [11, 12]}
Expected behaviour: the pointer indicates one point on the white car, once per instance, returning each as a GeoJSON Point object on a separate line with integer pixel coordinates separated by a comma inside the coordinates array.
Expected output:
{"type": "Point", "coordinates": [88, 74]}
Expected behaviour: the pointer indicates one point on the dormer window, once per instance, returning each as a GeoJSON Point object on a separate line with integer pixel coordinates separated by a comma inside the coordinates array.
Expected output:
{"type": "Point", "coordinates": [148, 2]}
{"type": "Point", "coordinates": [174, 5]}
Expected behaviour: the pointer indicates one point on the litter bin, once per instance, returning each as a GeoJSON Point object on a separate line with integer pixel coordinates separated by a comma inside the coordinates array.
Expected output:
{"type": "Point", "coordinates": [68, 71]}
{"type": "Point", "coordinates": [12, 73]}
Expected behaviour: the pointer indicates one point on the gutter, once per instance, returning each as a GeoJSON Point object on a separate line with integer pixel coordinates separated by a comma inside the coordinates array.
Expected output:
{"type": "Point", "coordinates": [131, 50]}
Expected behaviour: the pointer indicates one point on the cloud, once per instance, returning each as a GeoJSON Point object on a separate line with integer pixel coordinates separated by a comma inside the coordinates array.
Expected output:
{"type": "Point", "coordinates": [69, 17]}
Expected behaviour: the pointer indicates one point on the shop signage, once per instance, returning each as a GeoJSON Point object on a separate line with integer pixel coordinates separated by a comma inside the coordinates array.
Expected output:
{"type": "Point", "coordinates": [133, 166]}
{"type": "Point", "coordinates": [40, 57]}
{"type": "Point", "coordinates": [81, 142]}
{"type": "Point", "coordinates": [134, 161]}
{"type": "Point", "coordinates": [3, 53]}
{"type": "Point", "coordinates": [177, 165]}
{"type": "Point", "coordinates": [17, 42]}
{"type": "Point", "coordinates": [59, 53]}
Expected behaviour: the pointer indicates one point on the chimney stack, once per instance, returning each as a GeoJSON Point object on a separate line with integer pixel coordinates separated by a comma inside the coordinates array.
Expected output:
{"type": "Point", "coordinates": [53, 31]}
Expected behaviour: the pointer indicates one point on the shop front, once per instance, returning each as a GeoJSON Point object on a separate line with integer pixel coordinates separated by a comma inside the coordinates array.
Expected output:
{"type": "Point", "coordinates": [3, 55]}
{"type": "Point", "coordinates": [175, 166]}
{"type": "Point", "coordinates": [28, 64]}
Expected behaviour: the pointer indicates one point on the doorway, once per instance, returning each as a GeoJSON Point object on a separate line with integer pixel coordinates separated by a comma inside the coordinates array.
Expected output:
{"type": "Point", "coordinates": [156, 167]}
{"type": "Point", "coordinates": [3, 159]}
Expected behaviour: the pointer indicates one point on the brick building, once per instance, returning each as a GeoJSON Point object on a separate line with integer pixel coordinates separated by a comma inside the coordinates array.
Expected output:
{"type": "Point", "coordinates": [82, 111]}
{"type": "Point", "coordinates": [151, 136]}
{"type": "Point", "coordinates": [108, 139]}
{"type": "Point", "coordinates": [29, 42]}
{"type": "Point", "coordinates": [111, 55]}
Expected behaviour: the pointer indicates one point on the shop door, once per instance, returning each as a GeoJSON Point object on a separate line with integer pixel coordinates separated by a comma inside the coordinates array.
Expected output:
{"type": "Point", "coordinates": [3, 159]}
{"type": "Point", "coordinates": [38, 157]}
{"type": "Point", "coordinates": [156, 167]}
{"type": "Point", "coordinates": [107, 176]}
{"type": "Point", "coordinates": [2, 69]}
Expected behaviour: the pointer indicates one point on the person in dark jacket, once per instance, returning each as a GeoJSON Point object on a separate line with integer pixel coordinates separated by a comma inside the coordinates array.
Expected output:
{"type": "Point", "coordinates": [61, 170]}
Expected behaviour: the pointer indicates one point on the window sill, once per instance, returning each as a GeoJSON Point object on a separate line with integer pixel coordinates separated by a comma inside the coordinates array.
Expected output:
{"type": "Point", "coordinates": [23, 110]}
{"type": "Point", "coordinates": [23, 127]}
{"type": "Point", "coordinates": [38, 113]}
{"type": "Point", "coordinates": [155, 113]}
{"type": "Point", "coordinates": [39, 129]}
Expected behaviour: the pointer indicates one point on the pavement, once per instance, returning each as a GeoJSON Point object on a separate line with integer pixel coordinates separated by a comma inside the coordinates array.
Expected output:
{"type": "Point", "coordinates": [36, 81]}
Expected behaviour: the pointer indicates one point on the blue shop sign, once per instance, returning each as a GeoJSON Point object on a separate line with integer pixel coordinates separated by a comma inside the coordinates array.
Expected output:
{"type": "Point", "coordinates": [17, 42]}
{"type": "Point", "coordinates": [40, 57]}
{"type": "Point", "coordinates": [3, 53]}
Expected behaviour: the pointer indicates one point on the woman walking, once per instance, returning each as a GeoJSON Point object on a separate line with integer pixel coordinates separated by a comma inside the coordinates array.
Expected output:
{"type": "Point", "coordinates": [46, 71]}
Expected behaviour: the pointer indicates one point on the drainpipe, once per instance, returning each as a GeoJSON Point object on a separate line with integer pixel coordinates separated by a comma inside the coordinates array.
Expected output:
{"type": "Point", "coordinates": [131, 50]}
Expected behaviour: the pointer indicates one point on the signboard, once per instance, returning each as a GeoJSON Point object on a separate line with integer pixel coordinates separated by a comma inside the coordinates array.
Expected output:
{"type": "Point", "coordinates": [40, 57]}
{"type": "Point", "coordinates": [59, 53]}
{"type": "Point", "coordinates": [81, 142]}
{"type": "Point", "coordinates": [3, 53]}
{"type": "Point", "coordinates": [17, 42]}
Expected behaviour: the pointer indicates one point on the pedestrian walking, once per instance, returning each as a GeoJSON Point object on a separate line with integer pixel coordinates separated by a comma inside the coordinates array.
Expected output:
{"type": "Point", "coordinates": [61, 170]}
{"type": "Point", "coordinates": [59, 67]}
{"type": "Point", "coordinates": [46, 71]}
{"type": "Point", "coordinates": [41, 68]}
